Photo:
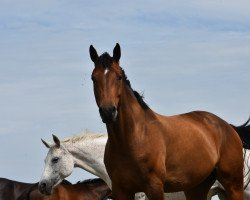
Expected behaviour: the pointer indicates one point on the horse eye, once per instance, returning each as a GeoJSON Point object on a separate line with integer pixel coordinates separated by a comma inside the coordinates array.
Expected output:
{"type": "Point", "coordinates": [119, 78]}
{"type": "Point", "coordinates": [55, 160]}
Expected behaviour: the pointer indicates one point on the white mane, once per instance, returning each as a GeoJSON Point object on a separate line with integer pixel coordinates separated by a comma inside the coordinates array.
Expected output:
{"type": "Point", "coordinates": [83, 136]}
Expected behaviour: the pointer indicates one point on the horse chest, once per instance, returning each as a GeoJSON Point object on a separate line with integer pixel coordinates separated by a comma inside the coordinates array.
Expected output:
{"type": "Point", "coordinates": [126, 176]}
{"type": "Point", "coordinates": [127, 170]}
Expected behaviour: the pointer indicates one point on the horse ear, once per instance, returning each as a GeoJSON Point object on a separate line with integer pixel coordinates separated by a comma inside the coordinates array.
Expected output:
{"type": "Point", "coordinates": [117, 52]}
{"type": "Point", "coordinates": [56, 140]}
{"type": "Point", "coordinates": [93, 53]}
{"type": "Point", "coordinates": [45, 143]}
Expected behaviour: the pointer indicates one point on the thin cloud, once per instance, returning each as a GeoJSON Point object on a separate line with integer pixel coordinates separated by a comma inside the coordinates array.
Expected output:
{"type": "Point", "coordinates": [183, 55]}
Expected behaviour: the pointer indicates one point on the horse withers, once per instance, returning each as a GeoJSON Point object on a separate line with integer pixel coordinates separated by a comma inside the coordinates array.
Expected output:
{"type": "Point", "coordinates": [185, 152]}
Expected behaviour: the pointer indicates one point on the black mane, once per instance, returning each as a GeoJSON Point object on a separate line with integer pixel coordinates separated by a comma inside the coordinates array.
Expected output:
{"type": "Point", "coordinates": [138, 96]}
{"type": "Point", "coordinates": [106, 61]}
{"type": "Point", "coordinates": [94, 180]}
{"type": "Point", "coordinates": [65, 182]}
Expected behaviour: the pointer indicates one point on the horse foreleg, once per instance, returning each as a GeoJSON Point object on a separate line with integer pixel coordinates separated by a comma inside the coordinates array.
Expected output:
{"type": "Point", "coordinates": [119, 194]}
{"type": "Point", "coordinates": [155, 195]}
{"type": "Point", "coordinates": [155, 191]}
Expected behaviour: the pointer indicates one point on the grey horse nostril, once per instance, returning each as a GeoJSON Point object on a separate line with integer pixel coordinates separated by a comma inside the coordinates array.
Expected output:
{"type": "Point", "coordinates": [43, 186]}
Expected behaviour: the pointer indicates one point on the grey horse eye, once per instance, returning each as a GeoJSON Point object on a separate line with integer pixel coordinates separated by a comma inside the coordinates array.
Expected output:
{"type": "Point", "coordinates": [55, 160]}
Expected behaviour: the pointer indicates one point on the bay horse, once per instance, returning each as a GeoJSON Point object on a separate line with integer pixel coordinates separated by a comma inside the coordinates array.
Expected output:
{"type": "Point", "coordinates": [11, 190]}
{"type": "Point", "coordinates": [152, 147]}
{"type": "Point", "coordinates": [91, 189]}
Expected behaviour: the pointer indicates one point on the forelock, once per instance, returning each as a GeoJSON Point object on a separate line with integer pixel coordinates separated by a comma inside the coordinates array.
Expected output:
{"type": "Point", "coordinates": [105, 60]}
{"type": "Point", "coordinates": [55, 150]}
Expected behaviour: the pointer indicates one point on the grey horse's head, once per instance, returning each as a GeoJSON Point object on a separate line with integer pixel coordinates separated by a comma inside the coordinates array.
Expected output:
{"type": "Point", "coordinates": [59, 164]}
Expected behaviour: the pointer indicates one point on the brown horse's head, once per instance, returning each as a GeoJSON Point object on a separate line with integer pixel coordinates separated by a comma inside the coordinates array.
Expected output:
{"type": "Point", "coordinates": [107, 78]}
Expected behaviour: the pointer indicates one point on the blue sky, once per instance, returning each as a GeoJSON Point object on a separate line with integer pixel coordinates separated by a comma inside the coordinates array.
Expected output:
{"type": "Point", "coordinates": [183, 55]}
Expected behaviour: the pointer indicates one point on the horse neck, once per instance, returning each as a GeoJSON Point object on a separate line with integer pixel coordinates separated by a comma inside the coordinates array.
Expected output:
{"type": "Point", "coordinates": [131, 115]}
{"type": "Point", "coordinates": [88, 154]}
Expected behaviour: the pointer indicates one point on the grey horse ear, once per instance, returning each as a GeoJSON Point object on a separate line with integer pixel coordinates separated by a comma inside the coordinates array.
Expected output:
{"type": "Point", "coordinates": [45, 143]}
{"type": "Point", "coordinates": [93, 54]}
{"type": "Point", "coordinates": [117, 52]}
{"type": "Point", "coordinates": [56, 140]}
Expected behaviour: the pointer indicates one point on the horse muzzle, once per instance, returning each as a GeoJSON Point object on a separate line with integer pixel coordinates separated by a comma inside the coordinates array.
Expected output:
{"type": "Point", "coordinates": [45, 188]}
{"type": "Point", "coordinates": [108, 113]}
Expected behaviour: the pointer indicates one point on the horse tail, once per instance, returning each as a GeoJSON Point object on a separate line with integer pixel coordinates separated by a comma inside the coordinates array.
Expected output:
{"type": "Point", "coordinates": [244, 133]}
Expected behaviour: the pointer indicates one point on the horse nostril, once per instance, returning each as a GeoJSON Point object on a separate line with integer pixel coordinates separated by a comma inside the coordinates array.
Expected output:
{"type": "Point", "coordinates": [43, 186]}
{"type": "Point", "coordinates": [108, 113]}
{"type": "Point", "coordinates": [113, 109]}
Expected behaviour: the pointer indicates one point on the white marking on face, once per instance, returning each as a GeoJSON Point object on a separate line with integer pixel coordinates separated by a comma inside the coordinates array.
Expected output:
{"type": "Point", "coordinates": [106, 71]}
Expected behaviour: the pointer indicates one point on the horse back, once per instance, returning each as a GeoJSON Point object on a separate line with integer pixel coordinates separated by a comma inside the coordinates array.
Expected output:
{"type": "Point", "coordinates": [6, 189]}
{"type": "Point", "coordinates": [11, 190]}
{"type": "Point", "coordinates": [199, 126]}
